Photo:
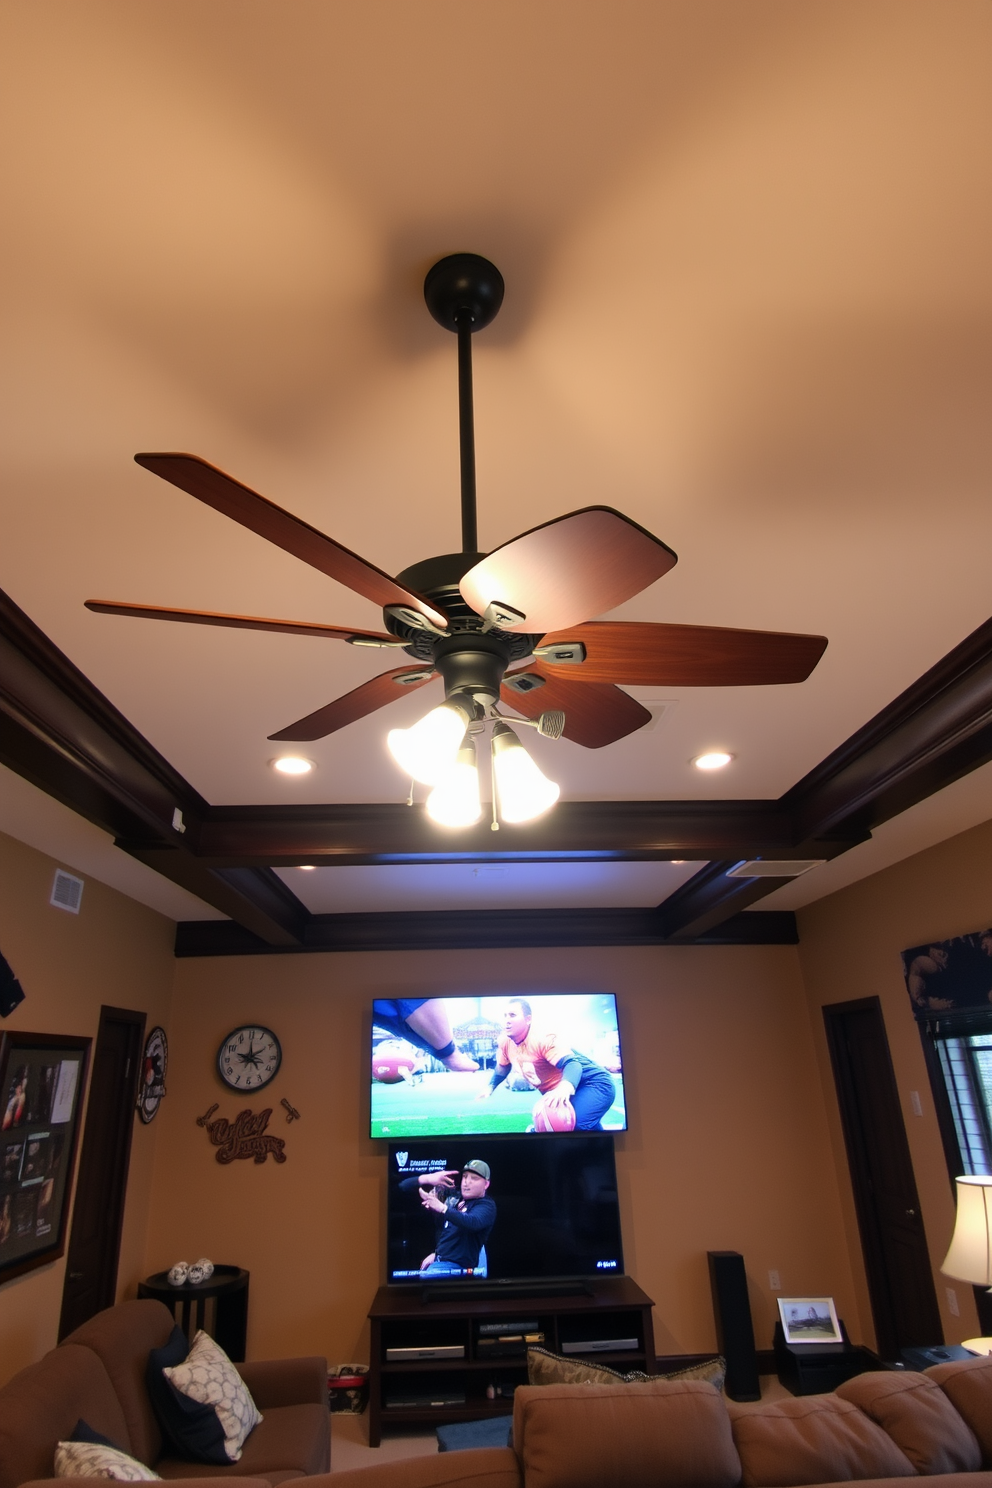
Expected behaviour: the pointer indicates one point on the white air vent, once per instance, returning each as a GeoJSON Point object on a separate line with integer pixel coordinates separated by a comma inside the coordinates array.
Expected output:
{"type": "Point", "coordinates": [774, 867]}
{"type": "Point", "coordinates": [67, 891]}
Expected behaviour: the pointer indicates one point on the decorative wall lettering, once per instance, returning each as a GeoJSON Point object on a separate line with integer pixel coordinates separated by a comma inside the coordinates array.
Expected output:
{"type": "Point", "coordinates": [243, 1137]}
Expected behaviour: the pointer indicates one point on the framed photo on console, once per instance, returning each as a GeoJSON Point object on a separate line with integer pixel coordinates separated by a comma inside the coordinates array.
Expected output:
{"type": "Point", "coordinates": [809, 1320]}
{"type": "Point", "coordinates": [42, 1080]}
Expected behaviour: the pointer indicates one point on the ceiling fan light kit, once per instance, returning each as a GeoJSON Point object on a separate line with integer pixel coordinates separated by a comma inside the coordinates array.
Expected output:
{"type": "Point", "coordinates": [469, 617]}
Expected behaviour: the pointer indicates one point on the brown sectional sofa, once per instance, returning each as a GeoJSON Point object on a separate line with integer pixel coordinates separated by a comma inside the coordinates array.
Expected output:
{"type": "Point", "coordinates": [884, 1430]}
{"type": "Point", "coordinates": [98, 1373]}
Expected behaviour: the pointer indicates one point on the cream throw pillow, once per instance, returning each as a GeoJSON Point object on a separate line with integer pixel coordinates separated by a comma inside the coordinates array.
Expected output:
{"type": "Point", "coordinates": [208, 1376]}
{"type": "Point", "coordinates": [75, 1459]}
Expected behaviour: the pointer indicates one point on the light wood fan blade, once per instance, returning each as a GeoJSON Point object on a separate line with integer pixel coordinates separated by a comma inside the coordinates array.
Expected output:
{"type": "Point", "coordinates": [655, 655]}
{"type": "Point", "coordinates": [292, 534]}
{"type": "Point", "coordinates": [240, 622]}
{"type": "Point", "coordinates": [594, 714]}
{"type": "Point", "coordinates": [568, 570]}
{"type": "Point", "coordinates": [385, 688]}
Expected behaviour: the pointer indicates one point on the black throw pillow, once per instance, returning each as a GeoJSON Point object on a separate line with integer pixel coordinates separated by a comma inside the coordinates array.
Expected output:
{"type": "Point", "coordinates": [192, 1430]}
{"type": "Point", "coordinates": [84, 1432]}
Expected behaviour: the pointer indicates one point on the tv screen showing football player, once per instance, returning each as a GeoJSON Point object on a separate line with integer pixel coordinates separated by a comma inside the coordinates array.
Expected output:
{"type": "Point", "coordinates": [534, 1063]}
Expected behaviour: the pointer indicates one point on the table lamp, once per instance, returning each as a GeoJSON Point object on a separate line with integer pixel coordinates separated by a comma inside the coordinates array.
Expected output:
{"type": "Point", "coordinates": [970, 1255]}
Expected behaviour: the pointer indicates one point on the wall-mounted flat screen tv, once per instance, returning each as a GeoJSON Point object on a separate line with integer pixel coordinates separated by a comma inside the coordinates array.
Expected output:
{"type": "Point", "coordinates": [502, 1210]}
{"type": "Point", "coordinates": [455, 1066]}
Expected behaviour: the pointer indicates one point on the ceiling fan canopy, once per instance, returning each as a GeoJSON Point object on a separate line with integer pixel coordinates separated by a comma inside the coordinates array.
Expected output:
{"type": "Point", "coordinates": [513, 626]}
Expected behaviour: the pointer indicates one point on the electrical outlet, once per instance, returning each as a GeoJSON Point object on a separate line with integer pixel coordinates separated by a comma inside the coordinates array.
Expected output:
{"type": "Point", "coordinates": [952, 1302]}
{"type": "Point", "coordinates": [774, 1281]}
{"type": "Point", "coordinates": [916, 1103]}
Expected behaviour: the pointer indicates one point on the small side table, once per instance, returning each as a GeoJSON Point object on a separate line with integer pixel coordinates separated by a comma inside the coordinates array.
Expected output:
{"type": "Point", "coordinates": [227, 1290]}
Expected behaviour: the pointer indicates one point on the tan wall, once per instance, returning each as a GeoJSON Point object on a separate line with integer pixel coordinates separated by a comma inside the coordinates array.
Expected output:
{"type": "Point", "coordinates": [115, 952]}
{"type": "Point", "coordinates": [849, 948]}
{"type": "Point", "coordinates": [728, 1148]}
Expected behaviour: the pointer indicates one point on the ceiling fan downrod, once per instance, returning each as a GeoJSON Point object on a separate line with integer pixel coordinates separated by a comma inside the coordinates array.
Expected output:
{"type": "Point", "coordinates": [464, 292]}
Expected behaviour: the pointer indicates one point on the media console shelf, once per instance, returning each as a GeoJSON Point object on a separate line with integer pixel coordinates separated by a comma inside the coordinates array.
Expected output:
{"type": "Point", "coordinates": [452, 1386]}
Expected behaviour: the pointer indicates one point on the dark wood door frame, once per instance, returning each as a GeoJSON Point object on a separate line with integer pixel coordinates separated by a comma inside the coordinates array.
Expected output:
{"type": "Point", "coordinates": [893, 1240]}
{"type": "Point", "coordinates": [93, 1252]}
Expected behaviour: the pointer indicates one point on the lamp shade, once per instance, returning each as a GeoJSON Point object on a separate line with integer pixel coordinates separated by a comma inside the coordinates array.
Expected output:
{"type": "Point", "coordinates": [970, 1255]}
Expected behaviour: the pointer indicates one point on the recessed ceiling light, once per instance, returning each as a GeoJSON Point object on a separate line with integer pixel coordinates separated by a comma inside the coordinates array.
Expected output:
{"type": "Point", "coordinates": [714, 760]}
{"type": "Point", "coordinates": [292, 764]}
{"type": "Point", "coordinates": [306, 867]}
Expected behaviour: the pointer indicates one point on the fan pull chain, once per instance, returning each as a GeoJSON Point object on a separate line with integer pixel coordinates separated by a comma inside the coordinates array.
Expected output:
{"type": "Point", "coordinates": [409, 799]}
{"type": "Point", "coordinates": [494, 827]}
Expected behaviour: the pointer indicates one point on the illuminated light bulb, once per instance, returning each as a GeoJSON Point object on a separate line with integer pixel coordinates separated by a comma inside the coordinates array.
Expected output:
{"type": "Point", "coordinates": [292, 764]}
{"type": "Point", "coordinates": [714, 760]}
{"type": "Point", "coordinates": [454, 801]}
{"type": "Point", "coordinates": [523, 791]}
{"type": "Point", "coordinates": [427, 751]}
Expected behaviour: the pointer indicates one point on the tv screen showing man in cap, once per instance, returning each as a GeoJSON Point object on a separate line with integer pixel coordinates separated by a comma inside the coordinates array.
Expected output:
{"type": "Point", "coordinates": [463, 1220]}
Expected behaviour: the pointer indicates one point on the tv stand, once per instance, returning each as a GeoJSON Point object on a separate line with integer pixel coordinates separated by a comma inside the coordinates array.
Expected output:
{"type": "Point", "coordinates": [446, 1291]}
{"type": "Point", "coordinates": [454, 1387]}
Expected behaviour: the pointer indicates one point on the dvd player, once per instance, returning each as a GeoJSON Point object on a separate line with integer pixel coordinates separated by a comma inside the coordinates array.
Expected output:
{"type": "Point", "coordinates": [436, 1351]}
{"type": "Point", "coordinates": [600, 1346]}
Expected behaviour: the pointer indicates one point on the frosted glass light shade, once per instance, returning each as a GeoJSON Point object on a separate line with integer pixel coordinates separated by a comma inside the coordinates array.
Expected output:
{"type": "Point", "coordinates": [427, 750]}
{"type": "Point", "coordinates": [454, 801]}
{"type": "Point", "coordinates": [970, 1255]}
{"type": "Point", "coordinates": [522, 790]}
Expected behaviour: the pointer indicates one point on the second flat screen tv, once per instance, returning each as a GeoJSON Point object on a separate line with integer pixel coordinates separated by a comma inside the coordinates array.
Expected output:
{"type": "Point", "coordinates": [462, 1066]}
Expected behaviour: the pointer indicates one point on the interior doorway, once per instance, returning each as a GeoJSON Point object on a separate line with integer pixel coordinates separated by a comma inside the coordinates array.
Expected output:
{"type": "Point", "coordinates": [893, 1240]}
{"type": "Point", "coordinates": [98, 1215]}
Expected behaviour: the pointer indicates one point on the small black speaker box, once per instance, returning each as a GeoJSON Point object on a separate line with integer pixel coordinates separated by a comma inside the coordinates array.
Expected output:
{"type": "Point", "coordinates": [734, 1331]}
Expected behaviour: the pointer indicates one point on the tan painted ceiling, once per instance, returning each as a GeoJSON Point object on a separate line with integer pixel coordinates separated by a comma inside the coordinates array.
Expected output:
{"type": "Point", "coordinates": [747, 255]}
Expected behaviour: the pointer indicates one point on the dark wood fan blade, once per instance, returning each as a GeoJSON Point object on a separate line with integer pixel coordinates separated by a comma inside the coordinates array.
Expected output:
{"type": "Point", "coordinates": [646, 655]}
{"type": "Point", "coordinates": [385, 688]}
{"type": "Point", "coordinates": [241, 504]}
{"type": "Point", "coordinates": [239, 622]}
{"type": "Point", "coordinates": [594, 714]}
{"type": "Point", "coordinates": [568, 570]}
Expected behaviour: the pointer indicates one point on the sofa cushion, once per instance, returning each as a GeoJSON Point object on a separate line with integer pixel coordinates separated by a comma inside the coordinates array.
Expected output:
{"type": "Point", "coordinates": [289, 1441]}
{"type": "Point", "coordinates": [84, 1432]}
{"type": "Point", "coordinates": [624, 1436]}
{"type": "Point", "coordinates": [123, 1337]}
{"type": "Point", "coordinates": [547, 1368]}
{"type": "Point", "coordinates": [919, 1418]}
{"type": "Point", "coordinates": [208, 1376]}
{"type": "Point", "coordinates": [967, 1383]}
{"type": "Point", "coordinates": [488, 1467]}
{"type": "Point", "coordinates": [40, 1407]}
{"type": "Point", "coordinates": [83, 1459]}
{"type": "Point", "coordinates": [813, 1439]}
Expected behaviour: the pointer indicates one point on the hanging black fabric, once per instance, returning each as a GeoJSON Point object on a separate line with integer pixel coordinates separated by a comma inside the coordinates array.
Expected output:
{"type": "Point", "coordinates": [11, 991]}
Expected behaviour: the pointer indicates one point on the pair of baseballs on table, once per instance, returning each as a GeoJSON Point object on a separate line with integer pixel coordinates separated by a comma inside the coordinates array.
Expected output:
{"type": "Point", "coordinates": [181, 1274]}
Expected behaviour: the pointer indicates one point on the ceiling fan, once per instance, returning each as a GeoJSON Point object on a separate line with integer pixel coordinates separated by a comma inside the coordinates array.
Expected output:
{"type": "Point", "coordinates": [511, 626]}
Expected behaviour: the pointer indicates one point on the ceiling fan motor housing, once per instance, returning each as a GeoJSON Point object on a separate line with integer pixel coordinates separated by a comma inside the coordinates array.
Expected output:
{"type": "Point", "coordinates": [437, 579]}
{"type": "Point", "coordinates": [472, 664]}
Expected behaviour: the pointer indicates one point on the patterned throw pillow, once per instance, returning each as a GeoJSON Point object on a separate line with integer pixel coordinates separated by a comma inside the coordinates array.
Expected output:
{"type": "Point", "coordinates": [209, 1377]}
{"type": "Point", "coordinates": [546, 1368]}
{"type": "Point", "coordinates": [77, 1459]}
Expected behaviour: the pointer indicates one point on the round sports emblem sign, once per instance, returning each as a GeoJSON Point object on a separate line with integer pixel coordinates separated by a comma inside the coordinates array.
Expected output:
{"type": "Point", "coordinates": [155, 1063]}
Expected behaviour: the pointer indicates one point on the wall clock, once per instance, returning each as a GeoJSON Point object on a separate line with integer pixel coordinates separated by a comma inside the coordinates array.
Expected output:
{"type": "Point", "coordinates": [249, 1057]}
{"type": "Point", "coordinates": [154, 1065]}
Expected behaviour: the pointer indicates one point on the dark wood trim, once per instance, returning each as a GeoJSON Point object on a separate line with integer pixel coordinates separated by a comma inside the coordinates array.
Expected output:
{"type": "Point", "coordinates": [480, 930]}
{"type": "Point", "coordinates": [58, 731]}
{"type": "Point", "coordinates": [576, 831]}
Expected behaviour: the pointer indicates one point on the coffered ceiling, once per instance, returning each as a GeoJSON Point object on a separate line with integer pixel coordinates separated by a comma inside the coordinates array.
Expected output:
{"type": "Point", "coordinates": [748, 302]}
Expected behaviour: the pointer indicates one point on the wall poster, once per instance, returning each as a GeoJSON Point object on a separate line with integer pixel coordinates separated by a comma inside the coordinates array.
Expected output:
{"type": "Point", "coordinates": [42, 1080]}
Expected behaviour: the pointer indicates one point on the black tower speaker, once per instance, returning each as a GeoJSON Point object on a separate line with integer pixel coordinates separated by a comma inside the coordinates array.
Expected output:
{"type": "Point", "coordinates": [734, 1332]}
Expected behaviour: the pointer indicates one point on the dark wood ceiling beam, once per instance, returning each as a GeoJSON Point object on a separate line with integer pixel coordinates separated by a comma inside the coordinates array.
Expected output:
{"type": "Point", "coordinates": [709, 899]}
{"type": "Point", "coordinates": [577, 831]}
{"type": "Point", "coordinates": [491, 929]}
{"type": "Point", "coordinates": [939, 729]}
{"type": "Point", "coordinates": [59, 732]}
